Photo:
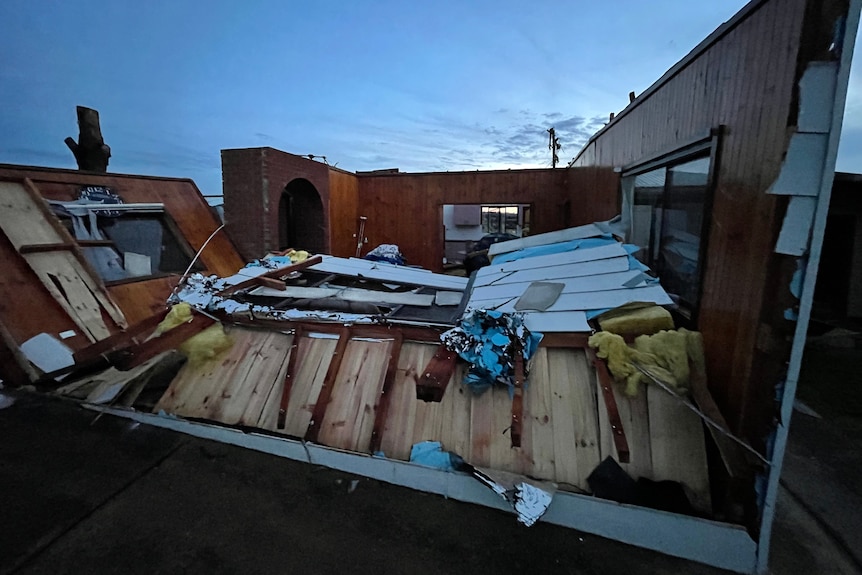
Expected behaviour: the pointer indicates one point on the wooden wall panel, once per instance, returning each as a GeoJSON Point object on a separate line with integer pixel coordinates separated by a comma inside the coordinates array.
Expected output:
{"type": "Point", "coordinates": [407, 209]}
{"type": "Point", "coordinates": [23, 294]}
{"type": "Point", "coordinates": [26, 306]}
{"type": "Point", "coordinates": [343, 212]}
{"type": "Point", "coordinates": [744, 78]}
{"type": "Point", "coordinates": [141, 299]}
{"type": "Point", "coordinates": [182, 199]}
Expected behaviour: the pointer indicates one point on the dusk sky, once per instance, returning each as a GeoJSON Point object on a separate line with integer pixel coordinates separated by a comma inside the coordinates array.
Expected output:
{"type": "Point", "coordinates": [424, 86]}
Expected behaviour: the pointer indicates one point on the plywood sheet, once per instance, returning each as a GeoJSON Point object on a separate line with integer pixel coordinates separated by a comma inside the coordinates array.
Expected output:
{"type": "Point", "coordinates": [401, 420]}
{"type": "Point", "coordinates": [576, 442]}
{"type": "Point", "coordinates": [198, 386]}
{"type": "Point", "coordinates": [677, 445]}
{"type": "Point", "coordinates": [635, 421]}
{"type": "Point", "coordinates": [312, 363]}
{"type": "Point", "coordinates": [349, 418]}
{"type": "Point", "coordinates": [65, 277]}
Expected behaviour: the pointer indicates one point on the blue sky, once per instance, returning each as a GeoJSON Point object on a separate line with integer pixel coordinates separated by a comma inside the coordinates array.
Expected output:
{"type": "Point", "coordinates": [440, 85]}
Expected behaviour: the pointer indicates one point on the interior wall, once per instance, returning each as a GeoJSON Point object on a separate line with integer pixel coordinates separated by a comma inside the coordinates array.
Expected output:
{"type": "Point", "coordinates": [344, 212]}
{"type": "Point", "coordinates": [407, 209]}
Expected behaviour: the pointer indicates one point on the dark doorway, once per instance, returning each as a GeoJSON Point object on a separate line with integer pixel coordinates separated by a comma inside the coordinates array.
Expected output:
{"type": "Point", "coordinates": [300, 218]}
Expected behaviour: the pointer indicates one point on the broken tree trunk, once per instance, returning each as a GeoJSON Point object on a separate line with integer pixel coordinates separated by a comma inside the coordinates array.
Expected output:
{"type": "Point", "coordinates": [90, 150]}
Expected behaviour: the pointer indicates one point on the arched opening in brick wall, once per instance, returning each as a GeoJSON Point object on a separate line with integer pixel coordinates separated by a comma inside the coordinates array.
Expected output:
{"type": "Point", "coordinates": [300, 218]}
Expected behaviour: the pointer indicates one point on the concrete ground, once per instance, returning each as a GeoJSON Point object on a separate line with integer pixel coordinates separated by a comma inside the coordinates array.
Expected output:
{"type": "Point", "coordinates": [116, 496]}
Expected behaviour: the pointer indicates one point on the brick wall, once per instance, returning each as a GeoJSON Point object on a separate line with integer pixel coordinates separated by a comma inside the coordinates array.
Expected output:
{"type": "Point", "coordinates": [244, 200]}
{"type": "Point", "coordinates": [253, 181]}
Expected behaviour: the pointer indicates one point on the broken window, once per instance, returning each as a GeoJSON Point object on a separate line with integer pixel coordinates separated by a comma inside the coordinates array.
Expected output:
{"type": "Point", "coordinates": [665, 209]}
{"type": "Point", "coordinates": [128, 244]}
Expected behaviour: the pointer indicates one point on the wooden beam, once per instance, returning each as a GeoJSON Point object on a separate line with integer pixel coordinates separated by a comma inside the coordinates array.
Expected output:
{"type": "Point", "coordinates": [382, 410]}
{"type": "Point", "coordinates": [37, 248]}
{"type": "Point", "coordinates": [565, 340]}
{"type": "Point", "coordinates": [326, 391]}
{"type": "Point", "coordinates": [288, 377]}
{"type": "Point", "coordinates": [272, 283]}
{"type": "Point", "coordinates": [382, 331]}
{"type": "Point", "coordinates": [61, 230]}
{"type": "Point", "coordinates": [130, 336]}
{"type": "Point", "coordinates": [605, 383]}
{"type": "Point", "coordinates": [431, 385]}
{"type": "Point", "coordinates": [126, 359]}
{"type": "Point", "coordinates": [518, 399]}
{"type": "Point", "coordinates": [255, 281]}
{"type": "Point", "coordinates": [25, 372]}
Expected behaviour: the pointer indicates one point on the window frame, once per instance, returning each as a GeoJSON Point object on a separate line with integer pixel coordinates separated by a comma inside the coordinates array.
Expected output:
{"type": "Point", "coordinates": [704, 147]}
{"type": "Point", "coordinates": [161, 215]}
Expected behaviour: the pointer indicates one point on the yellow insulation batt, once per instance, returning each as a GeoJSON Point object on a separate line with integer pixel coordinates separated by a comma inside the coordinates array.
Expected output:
{"type": "Point", "coordinates": [636, 319]}
{"type": "Point", "coordinates": [665, 354]}
{"type": "Point", "coordinates": [201, 347]}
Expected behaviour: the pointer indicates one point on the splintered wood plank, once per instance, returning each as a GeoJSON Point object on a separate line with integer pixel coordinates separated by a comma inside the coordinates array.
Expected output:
{"type": "Point", "coordinates": [289, 373]}
{"type": "Point", "coordinates": [610, 424]}
{"type": "Point", "coordinates": [607, 448]}
{"type": "Point", "coordinates": [264, 389]}
{"type": "Point", "coordinates": [586, 415]}
{"type": "Point", "coordinates": [576, 443]}
{"type": "Point", "coordinates": [539, 418]}
{"type": "Point", "coordinates": [436, 375]}
{"type": "Point", "coordinates": [418, 412]}
{"type": "Point", "coordinates": [503, 455]}
{"type": "Point", "coordinates": [63, 277]}
{"type": "Point", "coordinates": [196, 383]}
{"type": "Point", "coordinates": [26, 220]}
{"type": "Point", "coordinates": [268, 358]}
{"type": "Point", "coordinates": [482, 429]}
{"type": "Point", "coordinates": [677, 443]}
{"type": "Point", "coordinates": [312, 364]}
{"type": "Point", "coordinates": [636, 425]}
{"type": "Point", "coordinates": [243, 359]}
{"type": "Point", "coordinates": [381, 408]}
{"type": "Point", "coordinates": [324, 397]}
{"type": "Point", "coordinates": [428, 423]}
{"type": "Point", "coordinates": [399, 424]}
{"type": "Point", "coordinates": [349, 419]}
{"type": "Point", "coordinates": [455, 433]}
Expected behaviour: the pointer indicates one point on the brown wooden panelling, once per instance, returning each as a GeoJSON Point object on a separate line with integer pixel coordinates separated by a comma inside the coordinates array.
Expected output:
{"type": "Point", "coordinates": [181, 198]}
{"type": "Point", "coordinates": [745, 81]}
{"type": "Point", "coordinates": [563, 439]}
{"type": "Point", "coordinates": [26, 306]}
{"type": "Point", "coordinates": [343, 212]}
{"type": "Point", "coordinates": [407, 209]}
{"type": "Point", "coordinates": [139, 300]}
{"type": "Point", "coordinates": [22, 293]}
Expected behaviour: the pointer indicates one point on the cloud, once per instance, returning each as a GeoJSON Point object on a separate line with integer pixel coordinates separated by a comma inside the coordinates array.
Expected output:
{"type": "Point", "coordinates": [441, 142]}
{"type": "Point", "coordinates": [35, 156]}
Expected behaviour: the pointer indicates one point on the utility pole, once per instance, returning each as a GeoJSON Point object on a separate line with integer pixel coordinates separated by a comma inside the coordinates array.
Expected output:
{"type": "Point", "coordinates": [554, 145]}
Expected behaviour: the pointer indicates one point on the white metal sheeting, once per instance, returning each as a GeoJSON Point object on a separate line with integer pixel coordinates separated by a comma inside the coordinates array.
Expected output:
{"type": "Point", "coordinates": [383, 271]}
{"type": "Point", "coordinates": [594, 278]}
